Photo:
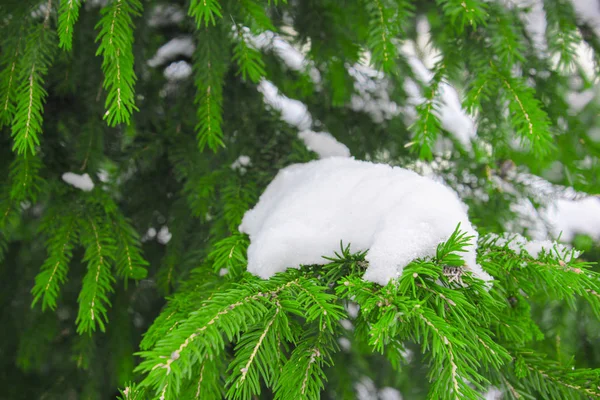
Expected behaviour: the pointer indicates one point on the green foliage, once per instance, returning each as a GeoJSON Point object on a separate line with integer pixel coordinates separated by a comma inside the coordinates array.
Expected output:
{"type": "Point", "coordinates": [141, 283]}
{"type": "Point", "coordinates": [67, 17]}
{"type": "Point", "coordinates": [30, 93]}
{"type": "Point", "coordinates": [116, 42]}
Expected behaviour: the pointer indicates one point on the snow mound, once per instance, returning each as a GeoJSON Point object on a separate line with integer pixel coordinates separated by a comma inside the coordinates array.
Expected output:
{"type": "Point", "coordinates": [83, 182]}
{"type": "Point", "coordinates": [394, 213]}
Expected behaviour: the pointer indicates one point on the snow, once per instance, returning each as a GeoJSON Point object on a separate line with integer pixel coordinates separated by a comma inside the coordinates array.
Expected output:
{"type": "Point", "coordinates": [571, 217]}
{"type": "Point", "coordinates": [394, 213]}
{"type": "Point", "coordinates": [588, 12]}
{"type": "Point", "coordinates": [293, 58]}
{"type": "Point", "coordinates": [534, 22]}
{"type": "Point", "coordinates": [241, 163]}
{"type": "Point", "coordinates": [534, 248]}
{"type": "Point", "coordinates": [178, 70]}
{"type": "Point", "coordinates": [578, 100]}
{"type": "Point", "coordinates": [292, 111]}
{"type": "Point", "coordinates": [165, 14]}
{"type": "Point", "coordinates": [83, 182]}
{"type": "Point", "coordinates": [164, 236]}
{"type": "Point", "coordinates": [296, 114]}
{"type": "Point", "coordinates": [181, 46]}
{"type": "Point", "coordinates": [324, 144]}
{"type": "Point", "coordinates": [389, 393]}
{"type": "Point", "coordinates": [493, 393]}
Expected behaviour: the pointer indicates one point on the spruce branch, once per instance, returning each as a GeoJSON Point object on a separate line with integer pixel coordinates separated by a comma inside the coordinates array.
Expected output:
{"type": "Point", "coordinates": [8, 78]}
{"type": "Point", "coordinates": [210, 65]}
{"type": "Point", "coordinates": [62, 235]}
{"type": "Point", "coordinates": [97, 283]}
{"type": "Point", "coordinates": [249, 60]}
{"type": "Point", "coordinates": [30, 92]}
{"type": "Point", "coordinates": [116, 47]}
{"type": "Point", "coordinates": [68, 14]}
{"type": "Point", "coordinates": [386, 20]}
{"type": "Point", "coordinates": [205, 11]}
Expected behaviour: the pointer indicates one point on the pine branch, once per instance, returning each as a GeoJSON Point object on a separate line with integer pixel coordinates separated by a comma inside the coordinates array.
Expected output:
{"type": "Point", "coordinates": [68, 14]}
{"type": "Point", "coordinates": [116, 47]}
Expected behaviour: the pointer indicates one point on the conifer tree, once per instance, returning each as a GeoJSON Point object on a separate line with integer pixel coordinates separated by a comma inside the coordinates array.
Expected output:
{"type": "Point", "coordinates": [136, 135]}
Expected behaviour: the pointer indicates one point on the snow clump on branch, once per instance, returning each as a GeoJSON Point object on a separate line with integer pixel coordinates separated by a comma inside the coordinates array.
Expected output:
{"type": "Point", "coordinates": [395, 214]}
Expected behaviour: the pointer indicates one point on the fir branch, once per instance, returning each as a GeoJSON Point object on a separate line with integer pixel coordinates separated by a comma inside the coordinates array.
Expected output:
{"type": "Point", "coordinates": [230, 253]}
{"type": "Point", "coordinates": [248, 59]}
{"type": "Point", "coordinates": [258, 356]}
{"type": "Point", "coordinates": [210, 65]}
{"type": "Point", "coordinates": [464, 13]}
{"type": "Point", "coordinates": [129, 261]}
{"type": "Point", "coordinates": [427, 126]}
{"type": "Point", "coordinates": [205, 11]}
{"type": "Point", "coordinates": [30, 94]}
{"type": "Point", "coordinates": [528, 119]}
{"type": "Point", "coordinates": [228, 312]}
{"type": "Point", "coordinates": [386, 20]}
{"type": "Point", "coordinates": [61, 229]}
{"type": "Point", "coordinates": [24, 176]}
{"type": "Point", "coordinates": [561, 32]}
{"type": "Point", "coordinates": [68, 14]}
{"type": "Point", "coordinates": [97, 283]}
{"type": "Point", "coordinates": [303, 375]}
{"type": "Point", "coordinates": [116, 47]}
{"type": "Point", "coordinates": [8, 78]}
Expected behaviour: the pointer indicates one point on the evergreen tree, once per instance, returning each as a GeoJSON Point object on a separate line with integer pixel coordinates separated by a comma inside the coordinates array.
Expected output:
{"type": "Point", "coordinates": [136, 135]}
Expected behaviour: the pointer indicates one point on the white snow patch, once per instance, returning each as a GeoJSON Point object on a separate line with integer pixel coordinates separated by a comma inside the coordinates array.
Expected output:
{"type": "Point", "coordinates": [352, 309]}
{"type": "Point", "coordinates": [149, 235]}
{"type": "Point", "coordinates": [389, 393]}
{"type": "Point", "coordinates": [293, 58]}
{"type": "Point", "coordinates": [578, 100]}
{"type": "Point", "coordinates": [181, 46]}
{"type": "Point", "coordinates": [365, 389]}
{"type": "Point", "coordinates": [165, 14]}
{"type": "Point", "coordinates": [83, 182]}
{"type": "Point", "coordinates": [164, 236]}
{"type": "Point", "coordinates": [588, 12]}
{"type": "Point", "coordinates": [292, 111]}
{"type": "Point", "coordinates": [178, 70]}
{"type": "Point", "coordinates": [241, 163]}
{"type": "Point", "coordinates": [493, 393]}
{"type": "Point", "coordinates": [324, 144]}
{"type": "Point", "coordinates": [394, 213]}
{"type": "Point", "coordinates": [534, 248]}
{"type": "Point", "coordinates": [296, 114]}
{"type": "Point", "coordinates": [345, 343]}
{"type": "Point", "coordinates": [571, 217]}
